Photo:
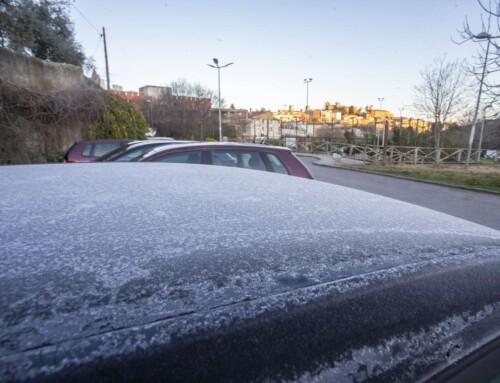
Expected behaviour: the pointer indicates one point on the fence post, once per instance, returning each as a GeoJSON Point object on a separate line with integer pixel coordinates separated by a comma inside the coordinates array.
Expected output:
{"type": "Point", "coordinates": [415, 156]}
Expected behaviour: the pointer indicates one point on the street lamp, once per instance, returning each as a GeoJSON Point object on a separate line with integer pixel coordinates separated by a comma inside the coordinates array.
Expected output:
{"type": "Point", "coordinates": [381, 99]}
{"type": "Point", "coordinates": [307, 81]}
{"type": "Point", "coordinates": [218, 67]}
{"type": "Point", "coordinates": [480, 36]}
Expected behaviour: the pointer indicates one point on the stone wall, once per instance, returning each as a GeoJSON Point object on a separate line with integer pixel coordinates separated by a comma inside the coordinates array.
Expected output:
{"type": "Point", "coordinates": [26, 135]}
{"type": "Point", "coordinates": [37, 75]}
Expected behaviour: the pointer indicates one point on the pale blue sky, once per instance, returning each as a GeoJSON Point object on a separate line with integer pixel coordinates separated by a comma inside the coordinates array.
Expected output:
{"type": "Point", "coordinates": [355, 51]}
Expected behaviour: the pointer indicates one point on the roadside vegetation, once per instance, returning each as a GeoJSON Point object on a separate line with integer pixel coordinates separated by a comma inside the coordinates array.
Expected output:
{"type": "Point", "coordinates": [484, 176]}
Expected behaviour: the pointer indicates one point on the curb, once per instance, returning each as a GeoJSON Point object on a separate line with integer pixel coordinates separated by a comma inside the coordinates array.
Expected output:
{"type": "Point", "coordinates": [402, 177]}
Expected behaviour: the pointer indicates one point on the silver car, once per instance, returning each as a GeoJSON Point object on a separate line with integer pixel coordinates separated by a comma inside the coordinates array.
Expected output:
{"type": "Point", "coordinates": [178, 272]}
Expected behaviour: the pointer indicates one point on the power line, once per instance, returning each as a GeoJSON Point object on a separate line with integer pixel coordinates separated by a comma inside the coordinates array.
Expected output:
{"type": "Point", "coordinates": [97, 47]}
{"type": "Point", "coordinates": [87, 20]}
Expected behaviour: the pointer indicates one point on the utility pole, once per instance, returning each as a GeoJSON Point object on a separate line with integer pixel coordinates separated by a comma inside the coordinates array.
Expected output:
{"type": "Point", "coordinates": [106, 58]}
{"type": "Point", "coordinates": [400, 124]}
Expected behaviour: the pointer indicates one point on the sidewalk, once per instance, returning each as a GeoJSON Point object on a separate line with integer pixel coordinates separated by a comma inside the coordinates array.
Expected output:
{"type": "Point", "coordinates": [331, 160]}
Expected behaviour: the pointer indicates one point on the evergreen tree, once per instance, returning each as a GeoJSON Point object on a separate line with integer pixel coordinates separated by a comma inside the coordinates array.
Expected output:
{"type": "Point", "coordinates": [41, 29]}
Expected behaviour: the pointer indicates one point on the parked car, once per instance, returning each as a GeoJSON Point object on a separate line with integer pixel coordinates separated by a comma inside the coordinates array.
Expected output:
{"type": "Point", "coordinates": [133, 272]}
{"type": "Point", "coordinates": [87, 151]}
{"type": "Point", "coordinates": [249, 156]}
{"type": "Point", "coordinates": [135, 149]}
{"type": "Point", "coordinates": [161, 138]}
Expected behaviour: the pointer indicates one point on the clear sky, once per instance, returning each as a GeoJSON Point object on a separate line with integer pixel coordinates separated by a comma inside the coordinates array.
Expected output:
{"type": "Point", "coordinates": [355, 51]}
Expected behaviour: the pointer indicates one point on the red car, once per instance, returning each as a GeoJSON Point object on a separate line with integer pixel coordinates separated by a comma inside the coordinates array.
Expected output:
{"type": "Point", "coordinates": [250, 156]}
{"type": "Point", "coordinates": [87, 151]}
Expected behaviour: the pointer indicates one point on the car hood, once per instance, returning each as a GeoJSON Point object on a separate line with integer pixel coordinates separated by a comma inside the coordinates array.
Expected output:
{"type": "Point", "coordinates": [94, 248]}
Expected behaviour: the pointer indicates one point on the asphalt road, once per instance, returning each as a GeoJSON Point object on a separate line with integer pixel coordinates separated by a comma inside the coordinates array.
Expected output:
{"type": "Point", "coordinates": [479, 207]}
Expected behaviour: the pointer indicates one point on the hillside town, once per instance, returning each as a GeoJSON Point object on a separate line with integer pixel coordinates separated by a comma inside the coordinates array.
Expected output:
{"type": "Point", "coordinates": [287, 122]}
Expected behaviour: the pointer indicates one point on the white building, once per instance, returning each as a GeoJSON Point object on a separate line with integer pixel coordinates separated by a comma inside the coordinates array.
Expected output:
{"type": "Point", "coordinates": [264, 125]}
{"type": "Point", "coordinates": [155, 92]}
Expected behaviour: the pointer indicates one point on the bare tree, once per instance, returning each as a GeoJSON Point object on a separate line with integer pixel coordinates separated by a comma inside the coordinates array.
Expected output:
{"type": "Point", "coordinates": [441, 94]}
{"type": "Point", "coordinates": [184, 111]}
{"type": "Point", "coordinates": [485, 66]}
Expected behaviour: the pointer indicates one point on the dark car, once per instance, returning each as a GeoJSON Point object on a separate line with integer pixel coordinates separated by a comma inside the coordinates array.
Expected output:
{"type": "Point", "coordinates": [87, 151]}
{"type": "Point", "coordinates": [135, 149]}
{"type": "Point", "coordinates": [249, 156]}
{"type": "Point", "coordinates": [133, 272]}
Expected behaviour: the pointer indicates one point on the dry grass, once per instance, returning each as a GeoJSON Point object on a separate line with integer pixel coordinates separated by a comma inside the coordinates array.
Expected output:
{"type": "Point", "coordinates": [484, 176]}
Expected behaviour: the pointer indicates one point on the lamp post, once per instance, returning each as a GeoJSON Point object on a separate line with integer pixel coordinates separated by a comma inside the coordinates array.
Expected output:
{"type": "Point", "coordinates": [481, 135]}
{"type": "Point", "coordinates": [480, 36]}
{"type": "Point", "coordinates": [307, 81]}
{"type": "Point", "coordinates": [218, 67]}
{"type": "Point", "coordinates": [381, 99]}
{"type": "Point", "coordinates": [400, 124]}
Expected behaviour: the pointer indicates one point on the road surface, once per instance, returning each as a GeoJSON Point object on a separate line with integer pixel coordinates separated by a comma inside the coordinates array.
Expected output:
{"type": "Point", "coordinates": [479, 207]}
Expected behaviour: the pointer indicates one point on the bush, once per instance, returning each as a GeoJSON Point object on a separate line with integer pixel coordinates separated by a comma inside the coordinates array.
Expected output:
{"type": "Point", "coordinates": [120, 119]}
{"type": "Point", "coordinates": [55, 156]}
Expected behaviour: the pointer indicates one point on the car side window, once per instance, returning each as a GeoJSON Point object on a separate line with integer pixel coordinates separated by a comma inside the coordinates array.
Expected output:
{"type": "Point", "coordinates": [224, 157]}
{"type": "Point", "coordinates": [276, 164]}
{"type": "Point", "coordinates": [191, 157]}
{"type": "Point", "coordinates": [248, 159]}
{"type": "Point", "coordinates": [87, 150]}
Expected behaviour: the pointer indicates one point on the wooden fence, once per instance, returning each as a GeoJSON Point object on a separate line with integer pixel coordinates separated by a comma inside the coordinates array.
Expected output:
{"type": "Point", "coordinates": [395, 154]}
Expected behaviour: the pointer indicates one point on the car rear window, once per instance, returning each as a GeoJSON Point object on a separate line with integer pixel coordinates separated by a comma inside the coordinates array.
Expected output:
{"type": "Point", "coordinates": [276, 164]}
{"type": "Point", "coordinates": [191, 157]}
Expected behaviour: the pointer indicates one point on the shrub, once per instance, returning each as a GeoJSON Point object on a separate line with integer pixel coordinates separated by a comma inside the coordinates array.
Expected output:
{"type": "Point", "coordinates": [120, 119]}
